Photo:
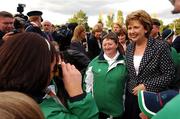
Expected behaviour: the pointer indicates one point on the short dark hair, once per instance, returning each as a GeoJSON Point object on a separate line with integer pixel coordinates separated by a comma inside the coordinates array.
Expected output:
{"type": "Point", "coordinates": [114, 37]}
{"type": "Point", "coordinates": [25, 63]}
{"type": "Point", "coordinates": [156, 22]}
{"type": "Point", "coordinates": [5, 14]}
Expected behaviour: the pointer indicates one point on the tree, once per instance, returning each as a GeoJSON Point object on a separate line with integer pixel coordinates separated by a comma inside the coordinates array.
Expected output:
{"type": "Point", "coordinates": [100, 18]}
{"type": "Point", "coordinates": [120, 17]}
{"type": "Point", "coordinates": [80, 18]}
{"type": "Point", "coordinates": [176, 24]}
{"type": "Point", "coordinates": [110, 20]}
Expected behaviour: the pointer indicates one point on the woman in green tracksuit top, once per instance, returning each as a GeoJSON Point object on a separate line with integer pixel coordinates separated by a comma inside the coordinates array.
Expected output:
{"type": "Point", "coordinates": [105, 78]}
{"type": "Point", "coordinates": [32, 73]}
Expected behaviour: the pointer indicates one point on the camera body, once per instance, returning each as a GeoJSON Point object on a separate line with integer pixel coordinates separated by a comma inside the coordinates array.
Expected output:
{"type": "Point", "coordinates": [20, 8]}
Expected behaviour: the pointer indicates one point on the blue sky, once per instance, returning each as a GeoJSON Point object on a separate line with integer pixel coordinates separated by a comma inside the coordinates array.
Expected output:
{"type": "Point", "coordinates": [58, 11]}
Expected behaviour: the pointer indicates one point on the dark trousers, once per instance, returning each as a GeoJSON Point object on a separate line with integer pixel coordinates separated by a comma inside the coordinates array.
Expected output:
{"type": "Point", "coordinates": [105, 116]}
{"type": "Point", "coordinates": [132, 110]}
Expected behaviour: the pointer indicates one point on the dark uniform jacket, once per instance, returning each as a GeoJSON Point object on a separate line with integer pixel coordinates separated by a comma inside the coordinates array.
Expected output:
{"type": "Point", "coordinates": [31, 28]}
{"type": "Point", "coordinates": [156, 69]}
{"type": "Point", "coordinates": [93, 47]}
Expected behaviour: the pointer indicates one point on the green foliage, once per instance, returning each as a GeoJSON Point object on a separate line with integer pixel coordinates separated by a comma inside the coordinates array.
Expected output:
{"type": "Point", "coordinates": [120, 18]}
{"type": "Point", "coordinates": [175, 26]}
{"type": "Point", "coordinates": [100, 18]}
{"type": "Point", "coordinates": [80, 18]}
{"type": "Point", "coordinates": [110, 20]}
{"type": "Point", "coordinates": [176, 23]}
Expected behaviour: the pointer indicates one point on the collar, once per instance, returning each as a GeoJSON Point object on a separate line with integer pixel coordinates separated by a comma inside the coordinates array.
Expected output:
{"type": "Point", "coordinates": [101, 56]}
{"type": "Point", "coordinates": [110, 59]}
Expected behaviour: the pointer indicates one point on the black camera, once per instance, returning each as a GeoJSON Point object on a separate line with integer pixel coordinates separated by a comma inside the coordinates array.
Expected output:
{"type": "Point", "coordinates": [20, 8]}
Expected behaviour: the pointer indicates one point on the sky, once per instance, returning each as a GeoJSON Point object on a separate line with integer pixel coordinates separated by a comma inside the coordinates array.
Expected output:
{"type": "Point", "coordinates": [59, 11]}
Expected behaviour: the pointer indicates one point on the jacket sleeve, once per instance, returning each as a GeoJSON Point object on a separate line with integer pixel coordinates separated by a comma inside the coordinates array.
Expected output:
{"type": "Point", "coordinates": [82, 109]}
{"type": "Point", "coordinates": [85, 108]}
{"type": "Point", "coordinates": [167, 71]}
{"type": "Point", "coordinates": [88, 80]}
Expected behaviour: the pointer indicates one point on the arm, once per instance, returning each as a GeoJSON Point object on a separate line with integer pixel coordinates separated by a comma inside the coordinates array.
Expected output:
{"type": "Point", "coordinates": [80, 104]}
{"type": "Point", "coordinates": [83, 109]}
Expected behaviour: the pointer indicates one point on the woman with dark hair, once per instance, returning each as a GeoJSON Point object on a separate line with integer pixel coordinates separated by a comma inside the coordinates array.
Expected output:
{"type": "Point", "coordinates": [105, 78]}
{"type": "Point", "coordinates": [27, 64]}
{"type": "Point", "coordinates": [123, 38]}
{"type": "Point", "coordinates": [149, 63]}
{"type": "Point", "coordinates": [94, 42]}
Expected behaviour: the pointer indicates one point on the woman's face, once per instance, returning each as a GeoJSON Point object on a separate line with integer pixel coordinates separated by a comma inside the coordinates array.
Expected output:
{"type": "Point", "coordinates": [170, 40]}
{"type": "Point", "coordinates": [116, 28]}
{"type": "Point", "coordinates": [136, 31]}
{"type": "Point", "coordinates": [109, 47]}
{"type": "Point", "coordinates": [83, 34]}
{"type": "Point", "coordinates": [97, 35]}
{"type": "Point", "coordinates": [122, 38]}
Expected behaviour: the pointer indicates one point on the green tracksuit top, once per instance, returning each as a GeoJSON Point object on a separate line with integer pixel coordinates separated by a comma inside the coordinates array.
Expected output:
{"type": "Point", "coordinates": [170, 110]}
{"type": "Point", "coordinates": [107, 84]}
{"type": "Point", "coordinates": [175, 84]}
{"type": "Point", "coordinates": [83, 109]}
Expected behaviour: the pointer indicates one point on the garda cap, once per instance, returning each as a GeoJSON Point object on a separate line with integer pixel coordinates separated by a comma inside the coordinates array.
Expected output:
{"type": "Point", "coordinates": [34, 13]}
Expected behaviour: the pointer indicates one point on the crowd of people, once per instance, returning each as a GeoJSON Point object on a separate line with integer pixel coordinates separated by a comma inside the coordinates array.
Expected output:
{"type": "Point", "coordinates": [129, 72]}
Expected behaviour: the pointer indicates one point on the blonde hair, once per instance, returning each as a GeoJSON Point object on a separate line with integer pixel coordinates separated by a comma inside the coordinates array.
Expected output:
{"type": "Point", "coordinates": [34, 18]}
{"type": "Point", "coordinates": [15, 105]}
{"type": "Point", "coordinates": [143, 17]}
{"type": "Point", "coordinates": [97, 28]}
{"type": "Point", "coordinates": [116, 23]}
{"type": "Point", "coordinates": [77, 33]}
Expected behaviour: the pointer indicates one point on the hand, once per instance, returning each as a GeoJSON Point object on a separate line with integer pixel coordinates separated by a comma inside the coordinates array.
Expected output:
{"type": "Point", "coordinates": [72, 79]}
{"type": "Point", "coordinates": [137, 88]}
{"type": "Point", "coordinates": [7, 35]}
{"type": "Point", "coordinates": [143, 116]}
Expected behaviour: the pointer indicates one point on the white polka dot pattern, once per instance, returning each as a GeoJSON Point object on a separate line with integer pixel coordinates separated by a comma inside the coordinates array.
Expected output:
{"type": "Point", "coordinates": [156, 69]}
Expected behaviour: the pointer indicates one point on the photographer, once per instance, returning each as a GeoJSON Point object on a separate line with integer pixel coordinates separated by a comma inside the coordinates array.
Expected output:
{"type": "Point", "coordinates": [30, 70]}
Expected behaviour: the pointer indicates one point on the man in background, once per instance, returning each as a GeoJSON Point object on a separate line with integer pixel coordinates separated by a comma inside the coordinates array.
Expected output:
{"type": "Point", "coordinates": [6, 24]}
{"type": "Point", "coordinates": [155, 33]}
{"type": "Point", "coordinates": [47, 28]}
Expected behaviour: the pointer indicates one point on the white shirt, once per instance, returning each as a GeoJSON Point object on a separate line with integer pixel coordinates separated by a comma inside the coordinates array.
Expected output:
{"type": "Point", "coordinates": [137, 61]}
{"type": "Point", "coordinates": [111, 60]}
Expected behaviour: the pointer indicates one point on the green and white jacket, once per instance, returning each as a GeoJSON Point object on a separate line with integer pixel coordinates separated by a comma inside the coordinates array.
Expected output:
{"type": "Point", "coordinates": [79, 107]}
{"type": "Point", "coordinates": [107, 82]}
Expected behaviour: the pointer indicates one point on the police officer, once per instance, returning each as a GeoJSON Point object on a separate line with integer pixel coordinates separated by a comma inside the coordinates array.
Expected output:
{"type": "Point", "coordinates": [34, 24]}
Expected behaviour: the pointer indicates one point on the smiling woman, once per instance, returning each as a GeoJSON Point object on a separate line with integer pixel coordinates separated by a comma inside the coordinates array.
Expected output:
{"type": "Point", "coordinates": [149, 63]}
{"type": "Point", "coordinates": [105, 78]}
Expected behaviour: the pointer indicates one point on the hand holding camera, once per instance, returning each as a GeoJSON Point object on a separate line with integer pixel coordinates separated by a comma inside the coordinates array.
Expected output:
{"type": "Point", "coordinates": [72, 79]}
